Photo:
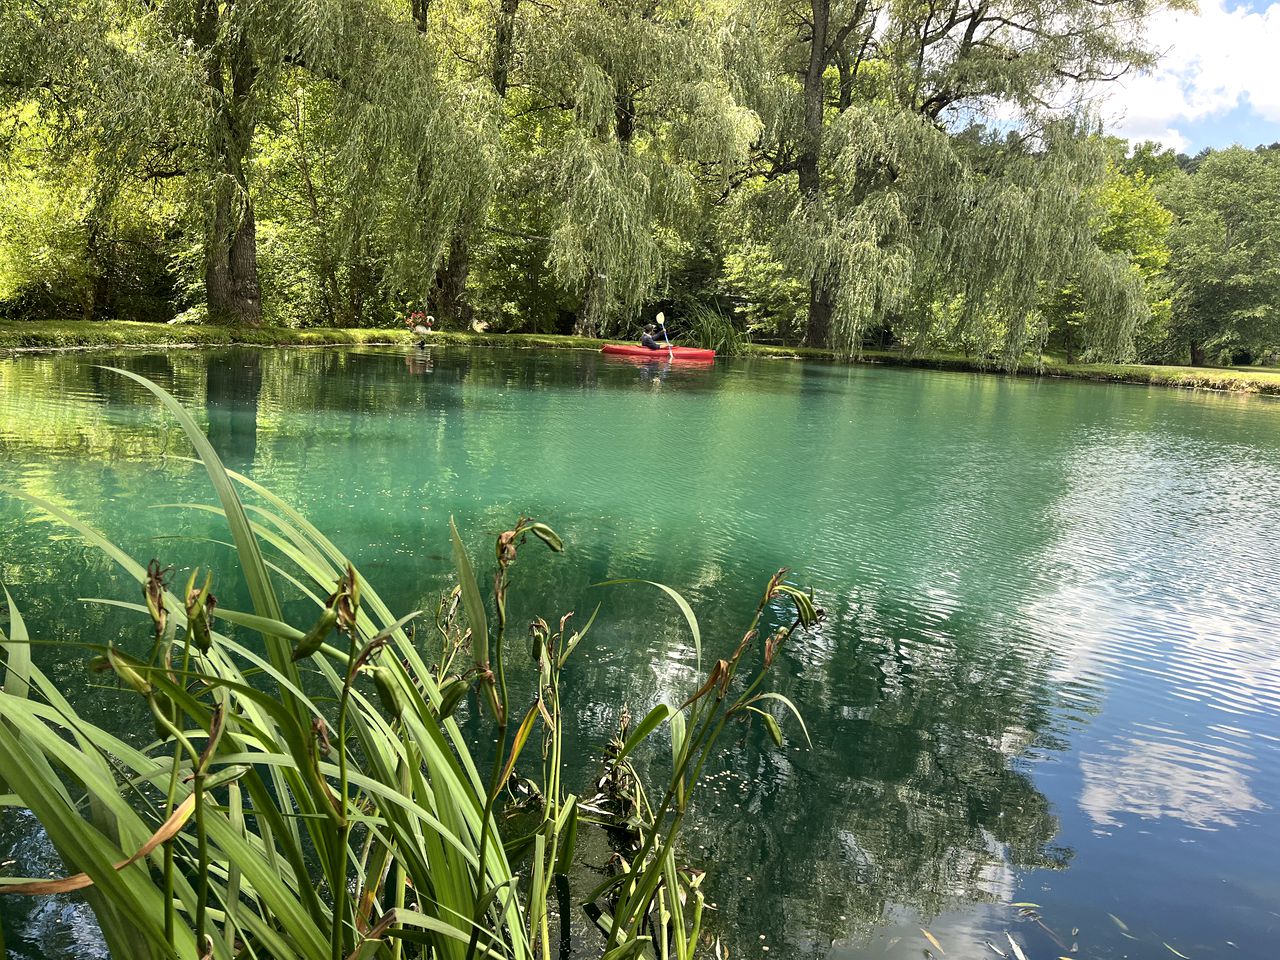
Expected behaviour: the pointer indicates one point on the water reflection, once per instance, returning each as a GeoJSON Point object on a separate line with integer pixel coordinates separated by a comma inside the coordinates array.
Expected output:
{"type": "Point", "coordinates": [232, 389]}
{"type": "Point", "coordinates": [419, 362]}
{"type": "Point", "coordinates": [911, 798]}
{"type": "Point", "coordinates": [1051, 607]}
{"type": "Point", "coordinates": [1200, 785]}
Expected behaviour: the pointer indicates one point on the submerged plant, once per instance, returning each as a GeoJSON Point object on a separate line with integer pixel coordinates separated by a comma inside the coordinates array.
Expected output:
{"type": "Point", "coordinates": [339, 814]}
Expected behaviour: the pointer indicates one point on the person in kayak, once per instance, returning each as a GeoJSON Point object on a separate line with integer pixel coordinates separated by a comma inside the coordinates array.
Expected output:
{"type": "Point", "coordinates": [649, 341]}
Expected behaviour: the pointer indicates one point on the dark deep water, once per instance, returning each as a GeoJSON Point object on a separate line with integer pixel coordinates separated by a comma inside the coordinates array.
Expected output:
{"type": "Point", "coordinates": [1051, 672]}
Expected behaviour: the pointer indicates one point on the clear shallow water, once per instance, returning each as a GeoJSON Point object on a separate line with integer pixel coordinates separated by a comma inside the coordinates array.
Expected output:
{"type": "Point", "coordinates": [1050, 674]}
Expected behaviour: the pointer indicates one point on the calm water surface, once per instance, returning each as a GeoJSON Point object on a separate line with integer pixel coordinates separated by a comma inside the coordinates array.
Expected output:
{"type": "Point", "coordinates": [1050, 672]}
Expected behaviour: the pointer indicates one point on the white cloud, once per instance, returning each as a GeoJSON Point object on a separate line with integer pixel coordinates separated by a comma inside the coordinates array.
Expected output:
{"type": "Point", "coordinates": [1213, 62]}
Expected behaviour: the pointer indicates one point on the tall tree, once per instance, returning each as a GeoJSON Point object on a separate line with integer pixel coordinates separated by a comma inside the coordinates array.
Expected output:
{"type": "Point", "coordinates": [183, 87]}
{"type": "Point", "coordinates": [863, 100]}
{"type": "Point", "coordinates": [1131, 229]}
{"type": "Point", "coordinates": [627, 112]}
{"type": "Point", "coordinates": [1225, 259]}
{"type": "Point", "coordinates": [482, 42]}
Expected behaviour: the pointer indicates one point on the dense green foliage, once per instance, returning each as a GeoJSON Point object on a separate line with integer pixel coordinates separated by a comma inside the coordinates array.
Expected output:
{"type": "Point", "coordinates": [843, 174]}
{"type": "Point", "coordinates": [1226, 256]}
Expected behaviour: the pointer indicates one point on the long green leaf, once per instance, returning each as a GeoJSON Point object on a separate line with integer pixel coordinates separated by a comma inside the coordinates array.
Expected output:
{"type": "Point", "coordinates": [252, 564]}
{"type": "Point", "coordinates": [650, 723]}
{"type": "Point", "coordinates": [17, 652]}
{"type": "Point", "coordinates": [471, 599]}
{"type": "Point", "coordinates": [681, 602]}
{"type": "Point", "coordinates": [771, 695]}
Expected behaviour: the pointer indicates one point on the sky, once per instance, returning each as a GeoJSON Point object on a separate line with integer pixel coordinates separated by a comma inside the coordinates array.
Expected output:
{"type": "Point", "coordinates": [1217, 83]}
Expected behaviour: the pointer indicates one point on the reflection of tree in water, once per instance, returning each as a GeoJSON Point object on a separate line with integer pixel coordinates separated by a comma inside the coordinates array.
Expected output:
{"type": "Point", "coordinates": [233, 385]}
{"type": "Point", "coordinates": [911, 796]}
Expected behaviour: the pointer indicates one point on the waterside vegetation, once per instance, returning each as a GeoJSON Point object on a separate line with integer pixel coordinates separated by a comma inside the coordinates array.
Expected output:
{"type": "Point", "coordinates": [843, 175]}
{"type": "Point", "coordinates": [17, 337]}
{"type": "Point", "coordinates": [310, 792]}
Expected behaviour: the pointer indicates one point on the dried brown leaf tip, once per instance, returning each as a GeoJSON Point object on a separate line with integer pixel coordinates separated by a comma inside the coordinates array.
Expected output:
{"type": "Point", "coordinates": [743, 644]}
{"type": "Point", "coordinates": [718, 678]}
{"type": "Point", "coordinates": [774, 582]}
{"type": "Point", "coordinates": [346, 601]}
{"type": "Point", "coordinates": [508, 540]}
{"type": "Point", "coordinates": [320, 730]}
{"type": "Point", "coordinates": [506, 546]}
{"type": "Point", "coordinates": [199, 603]}
{"type": "Point", "coordinates": [154, 588]}
{"type": "Point", "coordinates": [774, 644]}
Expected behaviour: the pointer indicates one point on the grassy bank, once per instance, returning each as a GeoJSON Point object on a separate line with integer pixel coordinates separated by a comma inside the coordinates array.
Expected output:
{"type": "Point", "coordinates": [1230, 379]}
{"type": "Point", "coordinates": [67, 335]}
{"type": "Point", "coordinates": [27, 335]}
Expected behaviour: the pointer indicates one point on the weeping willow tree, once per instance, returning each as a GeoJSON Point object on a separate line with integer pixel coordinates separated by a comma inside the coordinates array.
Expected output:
{"type": "Point", "coordinates": [625, 118]}
{"type": "Point", "coordinates": [475, 45]}
{"type": "Point", "coordinates": [1021, 222]}
{"type": "Point", "coordinates": [183, 88]}
{"type": "Point", "coordinates": [896, 208]}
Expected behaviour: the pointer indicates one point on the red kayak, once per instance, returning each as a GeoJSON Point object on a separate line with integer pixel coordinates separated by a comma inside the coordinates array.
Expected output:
{"type": "Point", "coordinates": [632, 351]}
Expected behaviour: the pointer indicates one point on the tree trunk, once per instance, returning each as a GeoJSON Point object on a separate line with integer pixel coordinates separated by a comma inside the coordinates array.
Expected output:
{"type": "Point", "coordinates": [1070, 342]}
{"type": "Point", "coordinates": [821, 296]}
{"type": "Point", "coordinates": [624, 111]}
{"type": "Point", "coordinates": [231, 262]}
{"type": "Point", "coordinates": [846, 70]}
{"type": "Point", "coordinates": [448, 298]}
{"type": "Point", "coordinates": [231, 248]}
{"type": "Point", "coordinates": [817, 332]}
{"type": "Point", "coordinates": [98, 295]}
{"type": "Point", "coordinates": [504, 36]}
{"type": "Point", "coordinates": [98, 291]}
{"type": "Point", "coordinates": [590, 319]}
{"type": "Point", "coordinates": [1197, 354]}
{"type": "Point", "coordinates": [421, 12]}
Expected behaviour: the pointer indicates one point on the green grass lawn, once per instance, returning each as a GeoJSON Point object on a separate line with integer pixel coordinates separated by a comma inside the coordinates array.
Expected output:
{"type": "Point", "coordinates": [55, 335]}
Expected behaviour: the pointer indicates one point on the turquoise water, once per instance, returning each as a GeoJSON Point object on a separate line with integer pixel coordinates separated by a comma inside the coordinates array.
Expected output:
{"type": "Point", "coordinates": [1050, 672]}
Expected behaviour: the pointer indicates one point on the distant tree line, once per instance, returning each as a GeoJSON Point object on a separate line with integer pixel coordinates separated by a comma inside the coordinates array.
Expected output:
{"type": "Point", "coordinates": [840, 173]}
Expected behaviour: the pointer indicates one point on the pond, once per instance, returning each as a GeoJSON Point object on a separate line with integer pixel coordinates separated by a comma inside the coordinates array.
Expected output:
{"type": "Point", "coordinates": [1050, 672]}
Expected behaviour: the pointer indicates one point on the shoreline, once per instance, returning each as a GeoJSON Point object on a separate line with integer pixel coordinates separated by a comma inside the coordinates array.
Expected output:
{"type": "Point", "coordinates": [24, 337]}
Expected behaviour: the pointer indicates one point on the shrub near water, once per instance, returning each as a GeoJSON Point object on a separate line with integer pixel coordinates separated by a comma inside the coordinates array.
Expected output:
{"type": "Point", "coordinates": [268, 822]}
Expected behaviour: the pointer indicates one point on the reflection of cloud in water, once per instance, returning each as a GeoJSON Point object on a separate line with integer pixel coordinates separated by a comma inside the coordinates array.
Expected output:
{"type": "Point", "coordinates": [1151, 778]}
{"type": "Point", "coordinates": [1153, 578]}
{"type": "Point", "coordinates": [1157, 594]}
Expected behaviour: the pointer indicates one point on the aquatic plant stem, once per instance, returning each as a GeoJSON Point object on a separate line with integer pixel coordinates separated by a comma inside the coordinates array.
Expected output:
{"type": "Point", "coordinates": [338, 865]}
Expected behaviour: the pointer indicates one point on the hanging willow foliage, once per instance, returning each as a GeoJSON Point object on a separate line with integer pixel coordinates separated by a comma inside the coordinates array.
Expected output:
{"type": "Point", "coordinates": [647, 114]}
{"type": "Point", "coordinates": [184, 89]}
{"type": "Point", "coordinates": [934, 164]}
